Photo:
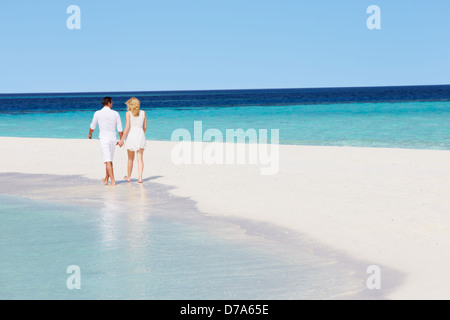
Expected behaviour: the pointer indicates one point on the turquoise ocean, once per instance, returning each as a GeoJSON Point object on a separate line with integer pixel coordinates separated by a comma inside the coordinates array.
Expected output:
{"type": "Point", "coordinates": [398, 117]}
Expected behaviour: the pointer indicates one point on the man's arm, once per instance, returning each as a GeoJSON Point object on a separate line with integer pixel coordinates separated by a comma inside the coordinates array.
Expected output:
{"type": "Point", "coordinates": [93, 125]}
{"type": "Point", "coordinates": [120, 143]}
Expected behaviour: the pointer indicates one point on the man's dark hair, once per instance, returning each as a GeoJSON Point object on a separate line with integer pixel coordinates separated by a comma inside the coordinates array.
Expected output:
{"type": "Point", "coordinates": [106, 100]}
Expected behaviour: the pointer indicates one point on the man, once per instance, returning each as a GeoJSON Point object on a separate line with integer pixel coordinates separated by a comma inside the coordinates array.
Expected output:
{"type": "Point", "coordinates": [108, 120]}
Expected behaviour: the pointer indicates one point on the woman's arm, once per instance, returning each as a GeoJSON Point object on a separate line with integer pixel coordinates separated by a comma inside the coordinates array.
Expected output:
{"type": "Point", "coordinates": [127, 129]}
{"type": "Point", "coordinates": [145, 121]}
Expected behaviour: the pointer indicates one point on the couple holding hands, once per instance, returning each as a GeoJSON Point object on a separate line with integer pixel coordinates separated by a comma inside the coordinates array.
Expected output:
{"type": "Point", "coordinates": [108, 121]}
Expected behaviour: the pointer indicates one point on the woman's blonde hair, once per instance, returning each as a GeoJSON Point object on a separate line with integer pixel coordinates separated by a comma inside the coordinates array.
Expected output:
{"type": "Point", "coordinates": [133, 106]}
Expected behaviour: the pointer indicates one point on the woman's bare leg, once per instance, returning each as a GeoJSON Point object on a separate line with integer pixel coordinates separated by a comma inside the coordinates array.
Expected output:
{"type": "Point", "coordinates": [130, 164]}
{"type": "Point", "coordinates": [140, 160]}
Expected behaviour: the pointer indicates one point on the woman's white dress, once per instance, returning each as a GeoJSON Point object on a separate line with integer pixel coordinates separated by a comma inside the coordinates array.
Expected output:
{"type": "Point", "coordinates": [136, 135]}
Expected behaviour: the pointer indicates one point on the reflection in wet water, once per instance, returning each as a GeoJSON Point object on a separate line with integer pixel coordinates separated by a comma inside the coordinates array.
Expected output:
{"type": "Point", "coordinates": [137, 241]}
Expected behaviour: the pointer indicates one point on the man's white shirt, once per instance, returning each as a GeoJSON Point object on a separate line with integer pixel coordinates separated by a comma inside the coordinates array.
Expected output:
{"type": "Point", "coordinates": [108, 120]}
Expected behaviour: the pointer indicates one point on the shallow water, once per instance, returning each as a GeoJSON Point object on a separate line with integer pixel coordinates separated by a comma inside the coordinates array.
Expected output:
{"type": "Point", "coordinates": [140, 242]}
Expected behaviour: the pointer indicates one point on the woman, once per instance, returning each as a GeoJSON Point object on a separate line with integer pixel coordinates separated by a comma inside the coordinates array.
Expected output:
{"type": "Point", "coordinates": [134, 134]}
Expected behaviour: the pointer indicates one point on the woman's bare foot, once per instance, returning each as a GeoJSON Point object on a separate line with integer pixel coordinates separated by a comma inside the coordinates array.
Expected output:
{"type": "Point", "coordinates": [105, 181]}
{"type": "Point", "coordinates": [140, 180]}
{"type": "Point", "coordinates": [126, 178]}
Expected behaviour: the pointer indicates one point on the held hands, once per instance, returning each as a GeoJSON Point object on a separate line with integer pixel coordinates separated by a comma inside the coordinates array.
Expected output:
{"type": "Point", "coordinates": [120, 143]}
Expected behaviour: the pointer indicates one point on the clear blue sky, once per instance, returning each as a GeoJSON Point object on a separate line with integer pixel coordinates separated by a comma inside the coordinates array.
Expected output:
{"type": "Point", "coordinates": [221, 44]}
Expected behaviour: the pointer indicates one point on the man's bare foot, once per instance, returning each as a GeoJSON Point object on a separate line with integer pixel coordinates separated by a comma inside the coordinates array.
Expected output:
{"type": "Point", "coordinates": [126, 178]}
{"type": "Point", "coordinates": [105, 181]}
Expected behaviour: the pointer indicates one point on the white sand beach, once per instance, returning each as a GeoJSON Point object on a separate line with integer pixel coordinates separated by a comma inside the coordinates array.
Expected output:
{"type": "Point", "coordinates": [389, 207]}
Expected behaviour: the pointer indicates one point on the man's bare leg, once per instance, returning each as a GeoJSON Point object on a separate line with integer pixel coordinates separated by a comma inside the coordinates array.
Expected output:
{"type": "Point", "coordinates": [110, 173]}
{"type": "Point", "coordinates": [105, 180]}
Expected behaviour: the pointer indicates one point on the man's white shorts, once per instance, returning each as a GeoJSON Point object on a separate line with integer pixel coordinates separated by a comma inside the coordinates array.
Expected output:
{"type": "Point", "coordinates": [108, 148]}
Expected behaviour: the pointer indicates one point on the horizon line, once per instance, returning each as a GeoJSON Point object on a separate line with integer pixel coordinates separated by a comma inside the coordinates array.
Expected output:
{"type": "Point", "coordinates": [209, 90]}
